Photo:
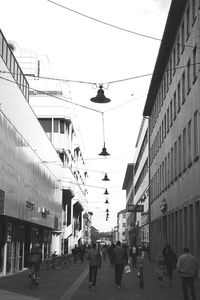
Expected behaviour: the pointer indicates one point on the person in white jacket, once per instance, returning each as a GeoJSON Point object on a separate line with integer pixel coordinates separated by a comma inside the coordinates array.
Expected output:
{"type": "Point", "coordinates": [187, 267]}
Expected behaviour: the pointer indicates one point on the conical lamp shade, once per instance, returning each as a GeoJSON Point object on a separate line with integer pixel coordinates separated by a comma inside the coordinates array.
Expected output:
{"type": "Point", "coordinates": [104, 151]}
{"type": "Point", "coordinates": [106, 192]}
{"type": "Point", "coordinates": [106, 177]}
{"type": "Point", "coordinates": [100, 97]}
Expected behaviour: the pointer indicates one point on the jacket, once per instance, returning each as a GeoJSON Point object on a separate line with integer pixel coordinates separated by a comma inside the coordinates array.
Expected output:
{"type": "Point", "coordinates": [94, 257]}
{"type": "Point", "coordinates": [120, 255]}
{"type": "Point", "coordinates": [187, 265]}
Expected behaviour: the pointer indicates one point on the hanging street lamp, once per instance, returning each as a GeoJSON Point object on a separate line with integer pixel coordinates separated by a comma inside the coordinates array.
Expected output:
{"type": "Point", "coordinates": [100, 97]}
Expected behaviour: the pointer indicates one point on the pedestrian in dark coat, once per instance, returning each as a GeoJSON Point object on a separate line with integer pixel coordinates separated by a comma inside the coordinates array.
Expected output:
{"type": "Point", "coordinates": [120, 259]}
{"type": "Point", "coordinates": [170, 260]}
{"type": "Point", "coordinates": [95, 261]}
{"type": "Point", "coordinates": [187, 267]}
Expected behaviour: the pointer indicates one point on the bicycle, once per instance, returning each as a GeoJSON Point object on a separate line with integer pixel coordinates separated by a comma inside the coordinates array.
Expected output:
{"type": "Point", "coordinates": [56, 262]}
{"type": "Point", "coordinates": [64, 260]}
{"type": "Point", "coordinates": [32, 277]}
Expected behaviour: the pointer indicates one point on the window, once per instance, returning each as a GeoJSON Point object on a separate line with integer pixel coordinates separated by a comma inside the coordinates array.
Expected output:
{"type": "Point", "coordinates": [189, 143]}
{"type": "Point", "coordinates": [179, 97]}
{"type": "Point", "coordinates": [175, 105]}
{"type": "Point", "coordinates": [165, 121]}
{"type": "Point", "coordinates": [174, 60]}
{"type": "Point", "coordinates": [168, 169]}
{"type": "Point", "coordinates": [170, 70]}
{"type": "Point", "coordinates": [55, 125]}
{"type": "Point", "coordinates": [184, 149]}
{"type": "Point", "coordinates": [172, 165]}
{"type": "Point", "coordinates": [171, 114]}
{"type": "Point", "coordinates": [168, 119]}
{"type": "Point", "coordinates": [183, 87]}
{"type": "Point", "coordinates": [175, 161]}
{"type": "Point", "coordinates": [46, 124]}
{"type": "Point", "coordinates": [62, 129]}
{"type": "Point", "coordinates": [196, 135]}
{"type": "Point", "coordinates": [178, 49]}
{"type": "Point", "coordinates": [194, 63]}
{"type": "Point", "coordinates": [183, 36]}
{"type": "Point", "coordinates": [165, 175]}
{"type": "Point", "coordinates": [188, 22]}
{"type": "Point", "coordinates": [188, 77]}
{"type": "Point", "coordinates": [193, 11]}
{"type": "Point", "coordinates": [180, 155]}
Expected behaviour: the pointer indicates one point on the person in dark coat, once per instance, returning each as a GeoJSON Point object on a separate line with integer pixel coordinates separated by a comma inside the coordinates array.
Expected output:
{"type": "Point", "coordinates": [170, 260]}
{"type": "Point", "coordinates": [94, 257]}
{"type": "Point", "coordinates": [120, 259]}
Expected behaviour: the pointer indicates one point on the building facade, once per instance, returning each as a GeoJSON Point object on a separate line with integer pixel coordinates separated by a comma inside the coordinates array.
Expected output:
{"type": "Point", "coordinates": [141, 186]}
{"type": "Point", "coordinates": [121, 225]}
{"type": "Point", "coordinates": [30, 191]}
{"type": "Point", "coordinates": [130, 216]}
{"type": "Point", "coordinates": [54, 109]}
{"type": "Point", "coordinates": [173, 107]}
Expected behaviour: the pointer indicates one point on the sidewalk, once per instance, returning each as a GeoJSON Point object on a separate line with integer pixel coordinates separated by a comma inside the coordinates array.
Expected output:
{"type": "Point", "coordinates": [130, 290]}
{"type": "Point", "coordinates": [72, 284]}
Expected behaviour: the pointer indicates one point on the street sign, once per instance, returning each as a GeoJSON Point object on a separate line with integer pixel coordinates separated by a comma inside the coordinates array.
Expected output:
{"type": "Point", "coordinates": [135, 208]}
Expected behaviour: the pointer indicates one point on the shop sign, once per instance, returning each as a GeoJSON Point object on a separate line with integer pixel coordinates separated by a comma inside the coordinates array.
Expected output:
{"type": "Point", "coordinates": [135, 208]}
{"type": "Point", "coordinates": [2, 202]}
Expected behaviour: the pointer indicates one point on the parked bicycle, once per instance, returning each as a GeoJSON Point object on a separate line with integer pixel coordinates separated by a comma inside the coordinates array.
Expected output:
{"type": "Point", "coordinates": [56, 262]}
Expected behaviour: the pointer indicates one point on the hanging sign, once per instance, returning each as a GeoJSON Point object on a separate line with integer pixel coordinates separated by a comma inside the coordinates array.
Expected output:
{"type": "Point", "coordinates": [135, 208]}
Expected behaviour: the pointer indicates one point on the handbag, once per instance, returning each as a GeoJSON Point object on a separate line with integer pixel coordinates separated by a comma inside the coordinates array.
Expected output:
{"type": "Point", "coordinates": [127, 269]}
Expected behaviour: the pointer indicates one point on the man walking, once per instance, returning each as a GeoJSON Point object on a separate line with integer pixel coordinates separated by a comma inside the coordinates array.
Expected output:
{"type": "Point", "coordinates": [95, 261]}
{"type": "Point", "coordinates": [120, 259]}
{"type": "Point", "coordinates": [133, 254]}
{"type": "Point", "coordinates": [187, 267]}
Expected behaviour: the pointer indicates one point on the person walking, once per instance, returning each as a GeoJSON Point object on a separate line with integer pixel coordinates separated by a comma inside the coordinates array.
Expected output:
{"type": "Point", "coordinates": [35, 259]}
{"type": "Point", "coordinates": [95, 261]}
{"type": "Point", "coordinates": [170, 260]}
{"type": "Point", "coordinates": [120, 259]}
{"type": "Point", "coordinates": [133, 254]}
{"type": "Point", "coordinates": [187, 267]}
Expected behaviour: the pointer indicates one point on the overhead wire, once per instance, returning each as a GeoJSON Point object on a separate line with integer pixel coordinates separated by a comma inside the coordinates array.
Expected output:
{"type": "Point", "coordinates": [114, 26]}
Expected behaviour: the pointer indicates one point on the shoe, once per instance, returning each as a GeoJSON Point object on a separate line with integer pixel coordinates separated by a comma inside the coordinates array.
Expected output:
{"type": "Point", "coordinates": [90, 285]}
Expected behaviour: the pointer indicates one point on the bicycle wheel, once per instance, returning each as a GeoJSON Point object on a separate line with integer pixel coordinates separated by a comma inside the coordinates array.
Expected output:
{"type": "Point", "coordinates": [57, 263]}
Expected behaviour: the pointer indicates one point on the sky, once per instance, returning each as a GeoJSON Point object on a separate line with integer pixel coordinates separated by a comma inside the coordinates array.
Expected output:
{"type": "Point", "coordinates": [110, 42]}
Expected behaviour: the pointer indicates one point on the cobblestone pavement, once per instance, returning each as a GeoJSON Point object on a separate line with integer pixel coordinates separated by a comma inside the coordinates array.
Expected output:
{"type": "Point", "coordinates": [72, 284]}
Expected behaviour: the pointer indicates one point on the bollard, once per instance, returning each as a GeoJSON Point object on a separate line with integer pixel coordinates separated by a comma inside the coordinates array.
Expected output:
{"type": "Point", "coordinates": [141, 272]}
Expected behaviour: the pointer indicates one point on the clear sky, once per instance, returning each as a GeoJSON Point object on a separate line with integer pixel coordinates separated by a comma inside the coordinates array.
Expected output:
{"type": "Point", "coordinates": [81, 46]}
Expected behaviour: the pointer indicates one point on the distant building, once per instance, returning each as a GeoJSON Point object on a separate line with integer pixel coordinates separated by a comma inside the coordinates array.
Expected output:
{"type": "Point", "coordinates": [121, 225]}
{"type": "Point", "coordinates": [87, 223]}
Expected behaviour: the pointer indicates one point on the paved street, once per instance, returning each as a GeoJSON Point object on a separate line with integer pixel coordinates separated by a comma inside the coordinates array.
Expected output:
{"type": "Point", "coordinates": [72, 284]}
